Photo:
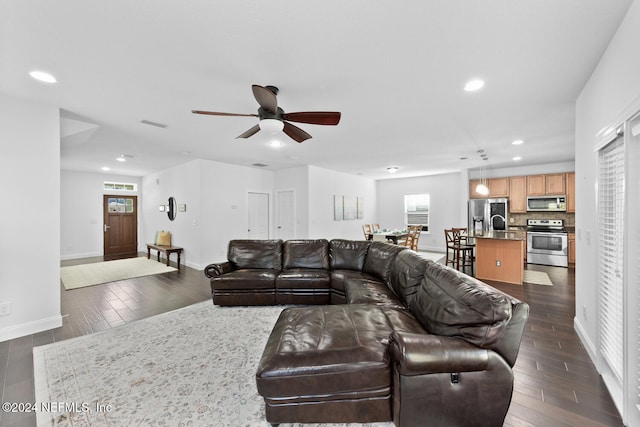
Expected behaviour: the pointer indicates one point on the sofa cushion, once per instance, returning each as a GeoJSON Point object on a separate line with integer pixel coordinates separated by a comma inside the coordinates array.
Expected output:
{"type": "Point", "coordinates": [348, 254]}
{"type": "Point", "coordinates": [380, 257]}
{"type": "Point", "coordinates": [407, 273]}
{"type": "Point", "coordinates": [265, 254]}
{"type": "Point", "coordinates": [329, 350]}
{"type": "Point", "coordinates": [450, 303]}
{"type": "Point", "coordinates": [245, 279]}
{"type": "Point", "coordinates": [306, 254]}
{"type": "Point", "coordinates": [371, 292]}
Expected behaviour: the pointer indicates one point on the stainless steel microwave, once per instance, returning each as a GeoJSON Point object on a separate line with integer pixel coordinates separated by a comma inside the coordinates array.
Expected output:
{"type": "Point", "coordinates": [546, 204]}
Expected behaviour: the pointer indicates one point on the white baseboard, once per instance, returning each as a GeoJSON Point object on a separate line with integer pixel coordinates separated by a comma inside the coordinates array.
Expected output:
{"type": "Point", "coordinates": [76, 256]}
{"type": "Point", "coordinates": [586, 342]}
{"type": "Point", "coordinates": [33, 327]}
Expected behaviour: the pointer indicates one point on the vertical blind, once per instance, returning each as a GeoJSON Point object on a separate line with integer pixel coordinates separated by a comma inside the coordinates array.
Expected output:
{"type": "Point", "coordinates": [611, 253]}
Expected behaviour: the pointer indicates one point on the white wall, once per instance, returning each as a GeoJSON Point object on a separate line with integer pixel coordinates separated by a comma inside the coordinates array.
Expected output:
{"type": "Point", "coordinates": [30, 225]}
{"type": "Point", "coordinates": [216, 197]}
{"type": "Point", "coordinates": [606, 100]}
{"type": "Point", "coordinates": [525, 170]}
{"type": "Point", "coordinates": [81, 223]}
{"type": "Point", "coordinates": [448, 197]}
{"type": "Point", "coordinates": [323, 185]}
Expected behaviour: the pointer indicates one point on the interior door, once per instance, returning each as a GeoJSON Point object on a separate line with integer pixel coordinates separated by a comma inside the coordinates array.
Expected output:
{"type": "Point", "coordinates": [258, 227]}
{"type": "Point", "coordinates": [120, 224]}
{"type": "Point", "coordinates": [285, 215]}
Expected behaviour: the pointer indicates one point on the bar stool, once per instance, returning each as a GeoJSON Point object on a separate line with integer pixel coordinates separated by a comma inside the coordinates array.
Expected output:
{"type": "Point", "coordinates": [459, 254]}
{"type": "Point", "coordinates": [465, 251]}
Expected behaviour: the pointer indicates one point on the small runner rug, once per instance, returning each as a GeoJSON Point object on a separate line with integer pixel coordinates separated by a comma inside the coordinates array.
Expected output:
{"type": "Point", "coordinates": [78, 276]}
{"type": "Point", "coordinates": [537, 278]}
{"type": "Point", "coordinates": [190, 367]}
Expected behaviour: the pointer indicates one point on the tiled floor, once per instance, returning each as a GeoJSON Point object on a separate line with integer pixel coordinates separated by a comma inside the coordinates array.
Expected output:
{"type": "Point", "coordinates": [555, 382]}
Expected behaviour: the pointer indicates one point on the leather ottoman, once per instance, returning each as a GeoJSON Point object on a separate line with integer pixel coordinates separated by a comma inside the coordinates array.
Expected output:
{"type": "Point", "coordinates": [330, 364]}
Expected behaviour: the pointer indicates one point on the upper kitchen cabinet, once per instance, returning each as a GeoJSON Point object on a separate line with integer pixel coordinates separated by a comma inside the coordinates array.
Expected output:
{"type": "Point", "coordinates": [571, 192]}
{"type": "Point", "coordinates": [498, 187]}
{"type": "Point", "coordinates": [546, 185]}
{"type": "Point", "coordinates": [518, 194]}
{"type": "Point", "coordinates": [555, 184]}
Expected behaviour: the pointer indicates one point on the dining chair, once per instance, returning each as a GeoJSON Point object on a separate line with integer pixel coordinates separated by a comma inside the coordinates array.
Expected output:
{"type": "Point", "coordinates": [368, 231]}
{"type": "Point", "coordinates": [376, 227]}
{"type": "Point", "coordinates": [413, 234]}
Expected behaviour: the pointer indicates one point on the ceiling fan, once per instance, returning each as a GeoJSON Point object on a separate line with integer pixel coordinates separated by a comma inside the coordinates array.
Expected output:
{"type": "Point", "coordinates": [273, 118]}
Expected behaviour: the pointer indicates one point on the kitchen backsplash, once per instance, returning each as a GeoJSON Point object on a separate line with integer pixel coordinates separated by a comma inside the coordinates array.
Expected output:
{"type": "Point", "coordinates": [520, 219]}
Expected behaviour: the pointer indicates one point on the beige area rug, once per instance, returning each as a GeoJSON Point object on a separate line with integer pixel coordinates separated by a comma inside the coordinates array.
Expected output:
{"type": "Point", "coordinates": [537, 278]}
{"type": "Point", "coordinates": [78, 276]}
{"type": "Point", "coordinates": [190, 367]}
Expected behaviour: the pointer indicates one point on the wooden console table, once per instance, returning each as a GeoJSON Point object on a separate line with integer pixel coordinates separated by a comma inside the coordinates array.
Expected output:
{"type": "Point", "coordinates": [168, 250]}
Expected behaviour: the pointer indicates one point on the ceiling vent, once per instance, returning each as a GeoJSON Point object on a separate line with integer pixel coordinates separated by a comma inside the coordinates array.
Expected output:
{"type": "Point", "coordinates": [259, 165]}
{"type": "Point", "coordinates": [156, 124]}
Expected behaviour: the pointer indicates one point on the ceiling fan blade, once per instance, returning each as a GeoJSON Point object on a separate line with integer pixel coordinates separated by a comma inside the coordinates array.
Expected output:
{"type": "Point", "coordinates": [314, 117]}
{"type": "Point", "coordinates": [214, 113]}
{"type": "Point", "coordinates": [295, 132]}
{"type": "Point", "coordinates": [265, 98]}
{"type": "Point", "coordinates": [250, 132]}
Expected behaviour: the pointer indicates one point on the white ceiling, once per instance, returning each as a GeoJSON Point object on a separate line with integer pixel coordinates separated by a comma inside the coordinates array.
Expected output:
{"type": "Point", "coordinates": [394, 69]}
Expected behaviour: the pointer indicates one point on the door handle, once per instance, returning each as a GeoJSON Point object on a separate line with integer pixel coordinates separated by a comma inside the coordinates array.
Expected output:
{"type": "Point", "coordinates": [106, 227]}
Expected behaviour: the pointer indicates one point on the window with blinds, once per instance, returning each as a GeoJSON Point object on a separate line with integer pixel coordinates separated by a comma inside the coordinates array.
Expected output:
{"type": "Point", "coordinates": [416, 210]}
{"type": "Point", "coordinates": [611, 187]}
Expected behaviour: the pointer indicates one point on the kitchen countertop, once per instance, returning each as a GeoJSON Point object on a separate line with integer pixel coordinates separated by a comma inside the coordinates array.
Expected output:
{"type": "Point", "coordinates": [498, 235]}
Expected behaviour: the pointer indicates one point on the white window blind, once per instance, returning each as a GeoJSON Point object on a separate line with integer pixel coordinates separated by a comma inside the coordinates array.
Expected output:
{"type": "Point", "coordinates": [416, 208]}
{"type": "Point", "coordinates": [611, 253]}
{"type": "Point", "coordinates": [633, 263]}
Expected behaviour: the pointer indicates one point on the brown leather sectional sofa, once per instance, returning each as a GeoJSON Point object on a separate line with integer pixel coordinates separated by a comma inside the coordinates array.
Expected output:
{"type": "Point", "coordinates": [384, 334]}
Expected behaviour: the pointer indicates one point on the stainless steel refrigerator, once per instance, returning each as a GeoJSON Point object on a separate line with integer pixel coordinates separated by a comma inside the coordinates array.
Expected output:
{"type": "Point", "coordinates": [488, 215]}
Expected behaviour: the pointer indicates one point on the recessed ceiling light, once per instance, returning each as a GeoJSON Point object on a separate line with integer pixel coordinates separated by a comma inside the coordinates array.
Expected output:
{"type": "Point", "coordinates": [517, 158]}
{"type": "Point", "coordinates": [392, 169]}
{"type": "Point", "coordinates": [43, 76]}
{"type": "Point", "coordinates": [105, 168]}
{"type": "Point", "coordinates": [474, 85]}
{"type": "Point", "coordinates": [121, 159]}
{"type": "Point", "coordinates": [518, 142]}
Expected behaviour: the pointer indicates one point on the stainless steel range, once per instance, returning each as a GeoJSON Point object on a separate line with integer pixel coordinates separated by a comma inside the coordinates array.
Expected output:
{"type": "Point", "coordinates": [547, 242]}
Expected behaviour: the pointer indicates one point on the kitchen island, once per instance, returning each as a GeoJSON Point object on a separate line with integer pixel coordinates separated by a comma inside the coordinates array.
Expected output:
{"type": "Point", "coordinates": [500, 255]}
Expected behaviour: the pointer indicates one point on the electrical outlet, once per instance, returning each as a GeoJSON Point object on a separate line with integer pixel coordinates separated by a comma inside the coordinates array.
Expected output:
{"type": "Point", "coordinates": [5, 308]}
{"type": "Point", "coordinates": [498, 263]}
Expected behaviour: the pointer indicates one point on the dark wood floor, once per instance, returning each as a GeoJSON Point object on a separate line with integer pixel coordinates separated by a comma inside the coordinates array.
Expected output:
{"type": "Point", "coordinates": [555, 382]}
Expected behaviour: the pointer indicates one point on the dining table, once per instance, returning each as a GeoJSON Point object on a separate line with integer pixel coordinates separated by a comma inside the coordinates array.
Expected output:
{"type": "Point", "coordinates": [394, 236]}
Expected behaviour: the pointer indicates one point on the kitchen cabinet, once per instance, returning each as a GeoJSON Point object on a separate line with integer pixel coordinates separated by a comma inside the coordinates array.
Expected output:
{"type": "Point", "coordinates": [536, 185]}
{"type": "Point", "coordinates": [571, 246]}
{"type": "Point", "coordinates": [546, 185]}
{"type": "Point", "coordinates": [498, 187]}
{"type": "Point", "coordinates": [571, 192]}
{"type": "Point", "coordinates": [499, 257]}
{"type": "Point", "coordinates": [518, 194]}
{"type": "Point", "coordinates": [555, 184]}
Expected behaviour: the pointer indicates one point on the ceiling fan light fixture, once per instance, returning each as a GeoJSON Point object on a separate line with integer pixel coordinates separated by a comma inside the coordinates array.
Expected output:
{"type": "Point", "coordinates": [271, 125]}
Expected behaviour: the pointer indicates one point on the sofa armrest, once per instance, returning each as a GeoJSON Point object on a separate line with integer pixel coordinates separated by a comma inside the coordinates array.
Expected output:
{"type": "Point", "coordinates": [420, 354]}
{"type": "Point", "coordinates": [217, 269]}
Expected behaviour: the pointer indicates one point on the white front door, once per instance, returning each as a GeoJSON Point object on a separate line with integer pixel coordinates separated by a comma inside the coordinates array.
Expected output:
{"type": "Point", "coordinates": [285, 223]}
{"type": "Point", "coordinates": [258, 216]}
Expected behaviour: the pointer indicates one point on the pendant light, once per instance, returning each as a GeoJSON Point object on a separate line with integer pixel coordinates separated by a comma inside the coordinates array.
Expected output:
{"type": "Point", "coordinates": [482, 187]}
